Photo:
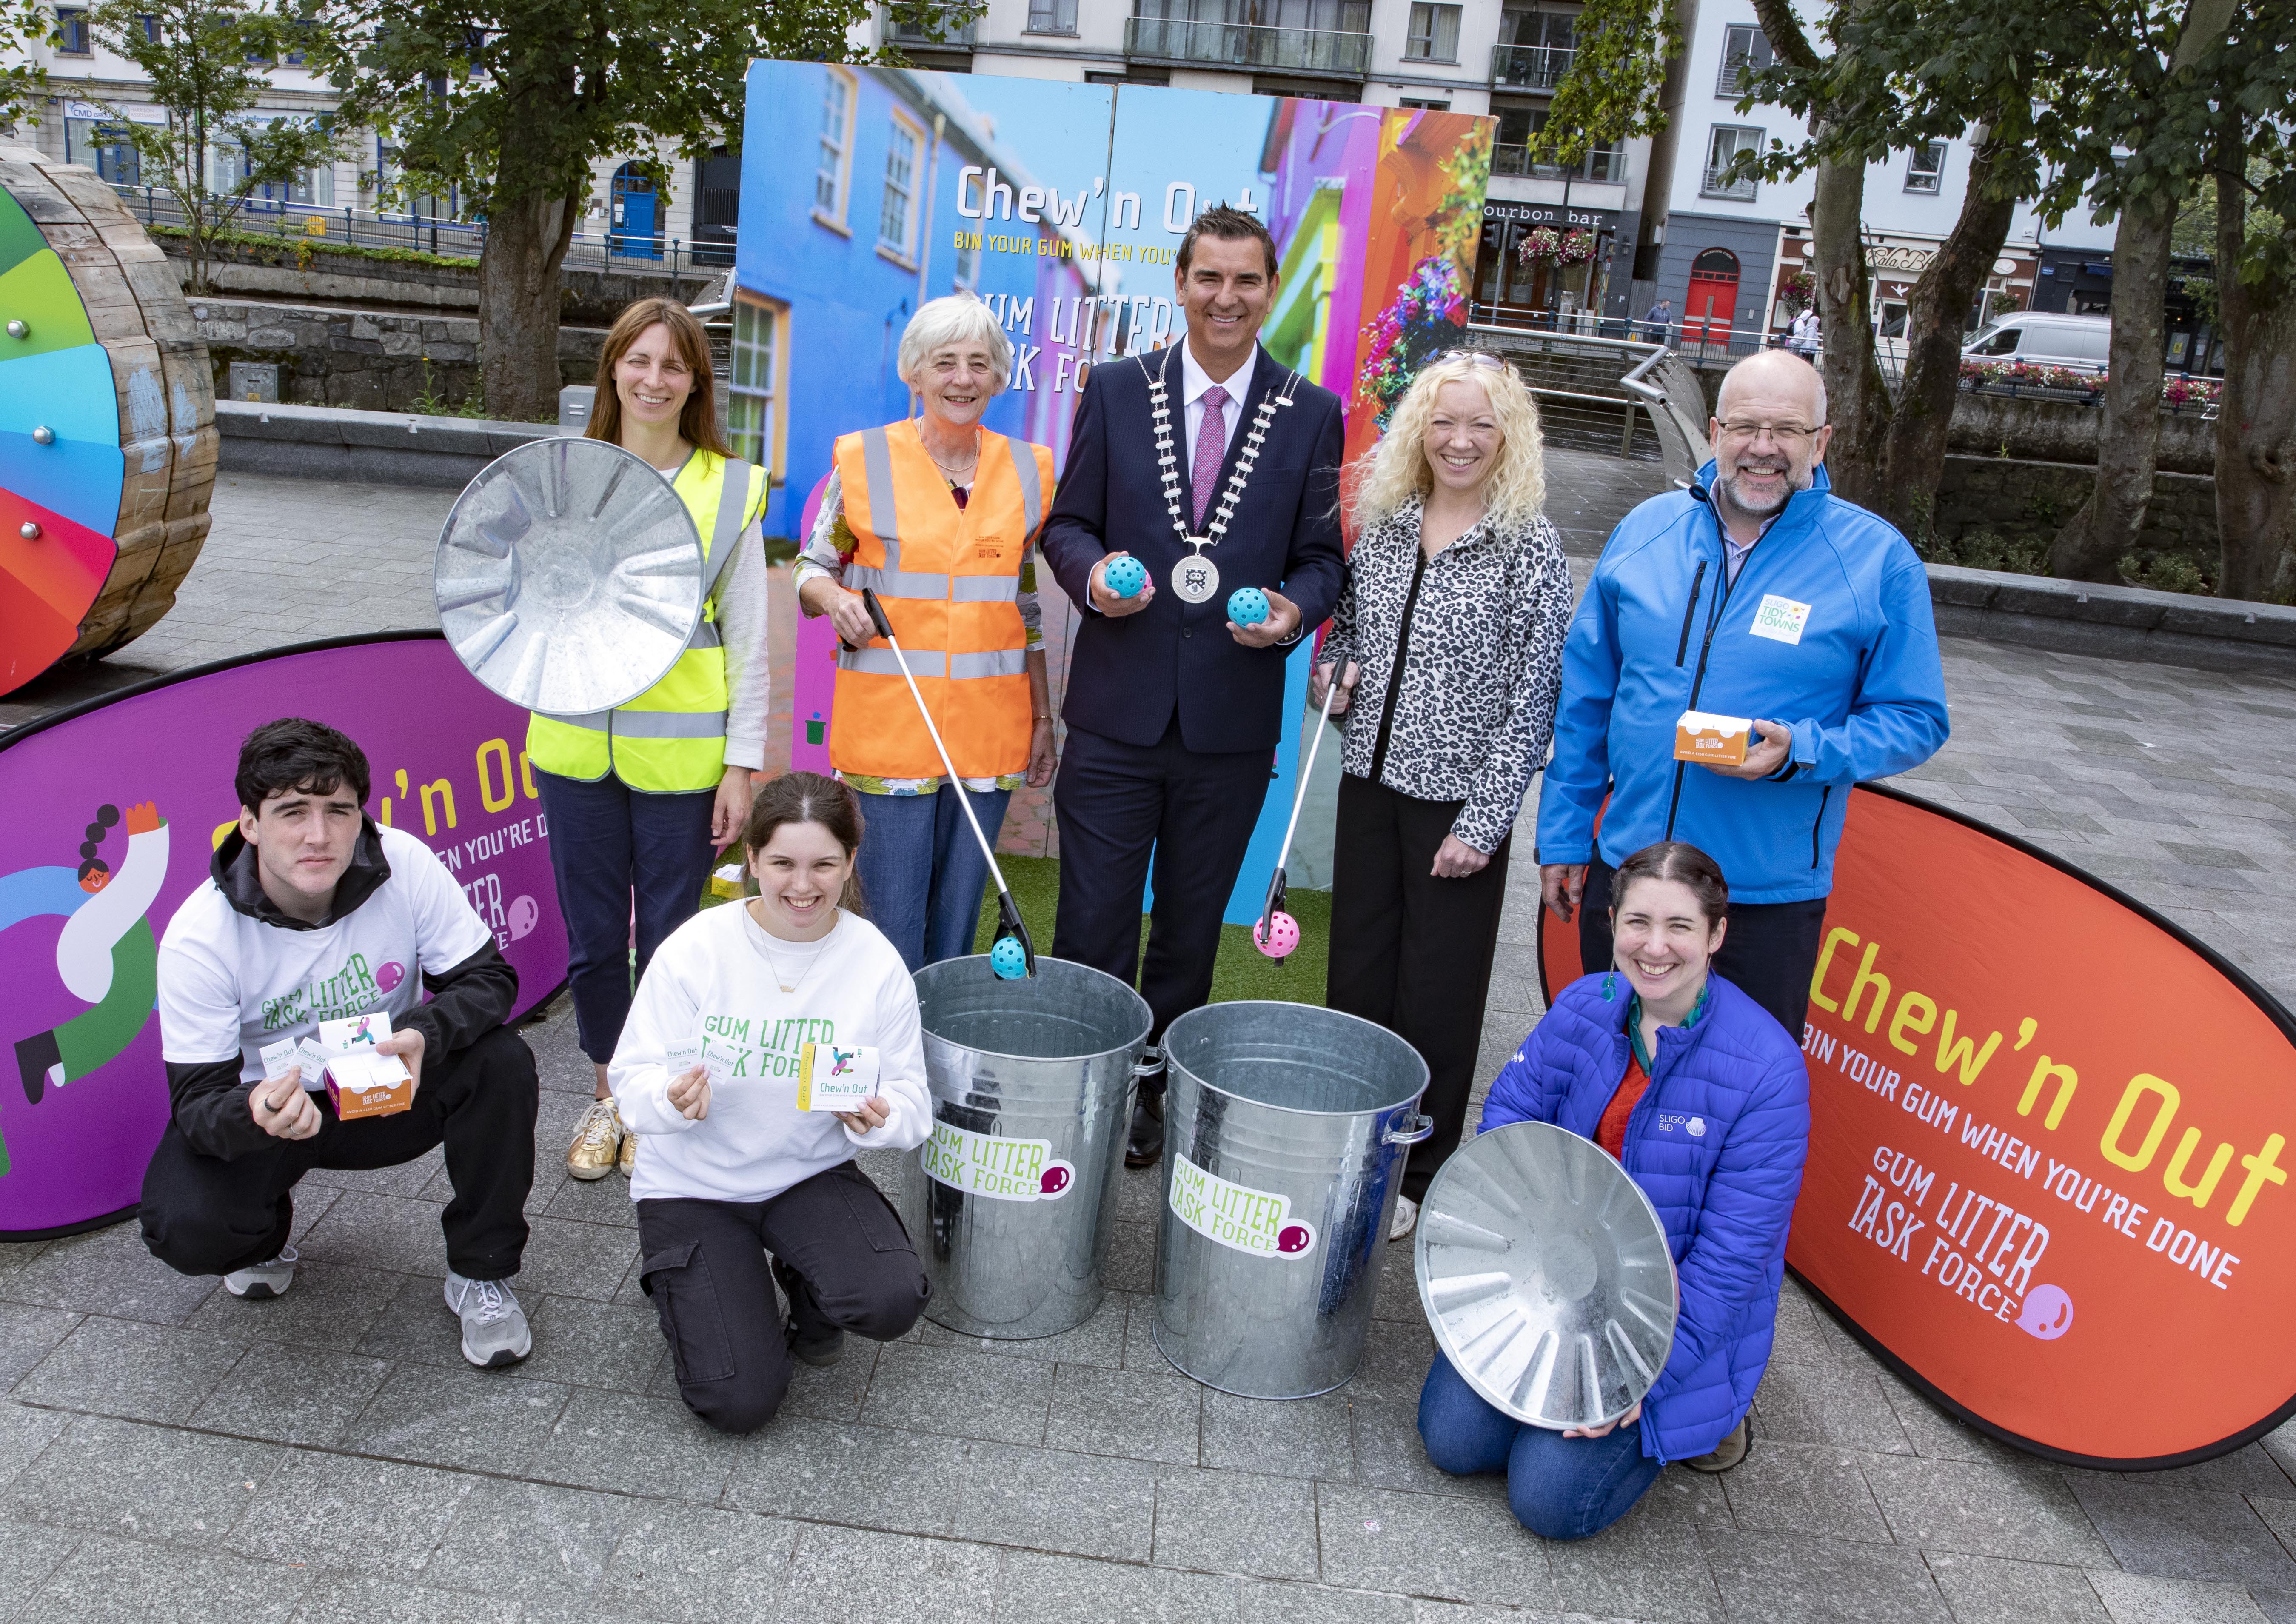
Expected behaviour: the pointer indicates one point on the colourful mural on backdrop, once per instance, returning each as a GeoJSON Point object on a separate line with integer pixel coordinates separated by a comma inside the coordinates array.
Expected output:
{"type": "Point", "coordinates": [865, 191]}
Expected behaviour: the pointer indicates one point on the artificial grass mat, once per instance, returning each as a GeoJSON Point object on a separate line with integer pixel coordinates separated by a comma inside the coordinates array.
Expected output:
{"type": "Point", "coordinates": [1241, 970]}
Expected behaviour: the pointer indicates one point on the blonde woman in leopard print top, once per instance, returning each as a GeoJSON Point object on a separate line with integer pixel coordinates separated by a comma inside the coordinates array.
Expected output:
{"type": "Point", "coordinates": [1449, 642]}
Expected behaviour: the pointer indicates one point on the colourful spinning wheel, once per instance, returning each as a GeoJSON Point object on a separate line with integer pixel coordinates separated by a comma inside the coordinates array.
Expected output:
{"type": "Point", "coordinates": [107, 436]}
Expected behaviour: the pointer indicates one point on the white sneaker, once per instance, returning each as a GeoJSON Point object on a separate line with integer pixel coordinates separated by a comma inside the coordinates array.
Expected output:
{"type": "Point", "coordinates": [1407, 1218]}
{"type": "Point", "coordinates": [264, 1280]}
{"type": "Point", "coordinates": [493, 1326]}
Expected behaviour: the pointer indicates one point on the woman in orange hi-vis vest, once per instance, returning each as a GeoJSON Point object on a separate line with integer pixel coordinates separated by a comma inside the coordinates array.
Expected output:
{"type": "Point", "coordinates": [939, 516]}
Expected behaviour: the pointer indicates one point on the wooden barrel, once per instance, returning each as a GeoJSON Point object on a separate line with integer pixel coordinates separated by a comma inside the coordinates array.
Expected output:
{"type": "Point", "coordinates": [106, 421]}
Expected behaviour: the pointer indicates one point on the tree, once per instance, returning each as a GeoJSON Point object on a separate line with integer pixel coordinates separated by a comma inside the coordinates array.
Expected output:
{"type": "Point", "coordinates": [23, 82]}
{"type": "Point", "coordinates": [2149, 132]}
{"type": "Point", "coordinates": [207, 61]}
{"type": "Point", "coordinates": [507, 104]}
{"type": "Point", "coordinates": [2256, 319]}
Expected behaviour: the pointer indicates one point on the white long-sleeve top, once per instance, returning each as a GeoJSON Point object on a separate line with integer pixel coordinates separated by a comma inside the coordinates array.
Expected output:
{"type": "Point", "coordinates": [716, 978]}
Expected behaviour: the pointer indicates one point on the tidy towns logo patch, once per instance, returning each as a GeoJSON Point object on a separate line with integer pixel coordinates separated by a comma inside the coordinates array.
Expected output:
{"type": "Point", "coordinates": [1780, 619]}
{"type": "Point", "coordinates": [1003, 1169]}
{"type": "Point", "coordinates": [1247, 1219]}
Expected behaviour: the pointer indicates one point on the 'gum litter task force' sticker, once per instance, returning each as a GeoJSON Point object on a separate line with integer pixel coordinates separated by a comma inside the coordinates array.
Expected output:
{"type": "Point", "coordinates": [1247, 1219]}
{"type": "Point", "coordinates": [1005, 1170]}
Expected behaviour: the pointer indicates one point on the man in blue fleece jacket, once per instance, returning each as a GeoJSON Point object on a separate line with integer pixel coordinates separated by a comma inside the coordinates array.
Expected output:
{"type": "Point", "coordinates": [1754, 593]}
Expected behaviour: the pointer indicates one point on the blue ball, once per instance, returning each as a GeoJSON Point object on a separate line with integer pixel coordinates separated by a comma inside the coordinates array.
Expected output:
{"type": "Point", "coordinates": [1247, 606]}
{"type": "Point", "coordinates": [1007, 960]}
{"type": "Point", "coordinates": [1127, 576]}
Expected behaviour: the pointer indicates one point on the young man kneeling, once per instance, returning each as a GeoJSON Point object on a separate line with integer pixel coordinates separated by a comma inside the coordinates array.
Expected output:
{"type": "Point", "coordinates": [314, 912]}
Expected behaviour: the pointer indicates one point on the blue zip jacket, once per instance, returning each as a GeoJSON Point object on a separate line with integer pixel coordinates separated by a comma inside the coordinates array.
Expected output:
{"type": "Point", "coordinates": [1827, 629]}
{"type": "Point", "coordinates": [1716, 1142]}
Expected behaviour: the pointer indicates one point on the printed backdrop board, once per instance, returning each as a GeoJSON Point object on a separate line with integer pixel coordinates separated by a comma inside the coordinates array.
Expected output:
{"type": "Point", "coordinates": [867, 191]}
{"type": "Point", "coordinates": [108, 816]}
{"type": "Point", "coordinates": [2048, 1167]}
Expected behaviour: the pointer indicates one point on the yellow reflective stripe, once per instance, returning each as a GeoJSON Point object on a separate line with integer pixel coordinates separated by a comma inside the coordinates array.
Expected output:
{"type": "Point", "coordinates": [668, 724]}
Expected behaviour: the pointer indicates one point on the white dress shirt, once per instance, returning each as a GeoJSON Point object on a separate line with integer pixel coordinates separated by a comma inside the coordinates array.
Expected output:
{"type": "Point", "coordinates": [1194, 382]}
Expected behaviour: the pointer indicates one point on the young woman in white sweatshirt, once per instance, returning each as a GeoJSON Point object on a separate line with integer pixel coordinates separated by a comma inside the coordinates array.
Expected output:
{"type": "Point", "coordinates": [728, 1168]}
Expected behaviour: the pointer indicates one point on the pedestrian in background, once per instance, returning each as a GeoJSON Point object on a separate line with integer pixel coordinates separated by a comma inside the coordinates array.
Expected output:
{"type": "Point", "coordinates": [1452, 617]}
{"type": "Point", "coordinates": [954, 563]}
{"type": "Point", "coordinates": [642, 797]}
{"type": "Point", "coordinates": [1756, 593]}
{"type": "Point", "coordinates": [1657, 323]}
{"type": "Point", "coordinates": [1803, 337]}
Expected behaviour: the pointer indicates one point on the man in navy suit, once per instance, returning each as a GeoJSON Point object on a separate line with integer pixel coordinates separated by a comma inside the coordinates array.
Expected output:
{"type": "Point", "coordinates": [1174, 711]}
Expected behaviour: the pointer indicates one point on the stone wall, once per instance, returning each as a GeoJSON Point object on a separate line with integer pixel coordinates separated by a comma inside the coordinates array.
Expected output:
{"type": "Point", "coordinates": [370, 360]}
{"type": "Point", "coordinates": [2017, 499]}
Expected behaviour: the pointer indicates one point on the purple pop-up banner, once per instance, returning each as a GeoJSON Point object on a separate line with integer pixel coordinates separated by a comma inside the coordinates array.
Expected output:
{"type": "Point", "coordinates": [108, 816]}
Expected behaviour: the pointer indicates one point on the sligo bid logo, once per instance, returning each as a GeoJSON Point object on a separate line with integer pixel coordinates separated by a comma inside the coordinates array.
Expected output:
{"type": "Point", "coordinates": [1675, 1121]}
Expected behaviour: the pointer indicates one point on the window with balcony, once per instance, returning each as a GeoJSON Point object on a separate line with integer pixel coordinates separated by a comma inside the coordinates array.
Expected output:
{"type": "Point", "coordinates": [1051, 16]}
{"type": "Point", "coordinates": [930, 23]}
{"type": "Point", "coordinates": [1722, 152]}
{"type": "Point", "coordinates": [833, 155]}
{"type": "Point", "coordinates": [1511, 154]}
{"type": "Point", "coordinates": [1746, 51]}
{"type": "Point", "coordinates": [1433, 36]}
{"type": "Point", "coordinates": [1535, 50]}
{"type": "Point", "coordinates": [1925, 170]}
{"type": "Point", "coordinates": [1326, 38]}
{"type": "Point", "coordinates": [897, 220]}
{"type": "Point", "coordinates": [71, 30]}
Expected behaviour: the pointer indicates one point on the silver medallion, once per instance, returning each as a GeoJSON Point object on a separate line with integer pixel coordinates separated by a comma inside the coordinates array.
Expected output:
{"type": "Point", "coordinates": [1196, 578]}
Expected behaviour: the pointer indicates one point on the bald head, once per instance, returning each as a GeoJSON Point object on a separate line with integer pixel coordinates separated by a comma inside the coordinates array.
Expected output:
{"type": "Point", "coordinates": [1774, 377]}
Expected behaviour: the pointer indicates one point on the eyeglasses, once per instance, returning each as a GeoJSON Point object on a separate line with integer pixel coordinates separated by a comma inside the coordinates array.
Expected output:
{"type": "Point", "coordinates": [1786, 434]}
{"type": "Point", "coordinates": [1480, 357]}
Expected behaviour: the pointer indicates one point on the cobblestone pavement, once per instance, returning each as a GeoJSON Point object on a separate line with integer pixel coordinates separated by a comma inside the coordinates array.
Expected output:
{"type": "Point", "coordinates": [167, 1452]}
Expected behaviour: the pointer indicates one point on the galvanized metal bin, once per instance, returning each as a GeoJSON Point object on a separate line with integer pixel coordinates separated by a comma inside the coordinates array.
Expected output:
{"type": "Point", "coordinates": [1011, 1202]}
{"type": "Point", "coordinates": [1285, 1131]}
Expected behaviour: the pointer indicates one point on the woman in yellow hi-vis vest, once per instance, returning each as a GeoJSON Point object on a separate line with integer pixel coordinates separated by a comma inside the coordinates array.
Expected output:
{"type": "Point", "coordinates": [939, 517]}
{"type": "Point", "coordinates": [641, 797]}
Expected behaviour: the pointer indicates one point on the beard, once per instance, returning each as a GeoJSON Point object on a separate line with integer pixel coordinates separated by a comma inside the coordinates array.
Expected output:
{"type": "Point", "coordinates": [1757, 510]}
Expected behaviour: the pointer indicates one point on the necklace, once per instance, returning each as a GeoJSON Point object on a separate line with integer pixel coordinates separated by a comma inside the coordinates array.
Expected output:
{"type": "Point", "coordinates": [1196, 577]}
{"type": "Point", "coordinates": [972, 461]}
{"type": "Point", "coordinates": [819, 944]}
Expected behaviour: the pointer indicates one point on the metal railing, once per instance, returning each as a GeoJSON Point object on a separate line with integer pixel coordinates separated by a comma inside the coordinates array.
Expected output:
{"type": "Point", "coordinates": [1718, 181]}
{"type": "Point", "coordinates": [1244, 45]}
{"type": "Point", "coordinates": [1605, 164]}
{"type": "Point", "coordinates": [911, 25]}
{"type": "Point", "coordinates": [309, 225]}
{"type": "Point", "coordinates": [1530, 67]}
{"type": "Point", "coordinates": [1735, 71]}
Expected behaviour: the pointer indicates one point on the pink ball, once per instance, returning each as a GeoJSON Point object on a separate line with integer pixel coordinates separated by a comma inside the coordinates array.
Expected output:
{"type": "Point", "coordinates": [1282, 935]}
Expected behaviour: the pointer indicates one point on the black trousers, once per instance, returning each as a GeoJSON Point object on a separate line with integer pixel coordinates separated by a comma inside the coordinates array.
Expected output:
{"type": "Point", "coordinates": [1410, 952]}
{"type": "Point", "coordinates": [1116, 803]}
{"type": "Point", "coordinates": [1769, 954]}
{"type": "Point", "coordinates": [840, 1254]}
{"type": "Point", "coordinates": [203, 1215]}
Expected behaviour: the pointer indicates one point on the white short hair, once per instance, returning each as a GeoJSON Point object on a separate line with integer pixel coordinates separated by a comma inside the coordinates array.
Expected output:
{"type": "Point", "coordinates": [960, 318]}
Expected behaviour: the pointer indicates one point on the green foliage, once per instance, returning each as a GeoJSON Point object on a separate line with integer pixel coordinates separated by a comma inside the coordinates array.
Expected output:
{"type": "Point", "coordinates": [23, 82]}
{"type": "Point", "coordinates": [277, 248]}
{"type": "Point", "coordinates": [2024, 553]}
{"type": "Point", "coordinates": [507, 101]}
{"type": "Point", "coordinates": [2167, 572]}
{"type": "Point", "coordinates": [207, 64]}
{"type": "Point", "coordinates": [1618, 71]}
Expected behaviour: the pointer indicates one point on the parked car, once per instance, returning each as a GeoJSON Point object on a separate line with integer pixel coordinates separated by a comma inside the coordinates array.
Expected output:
{"type": "Point", "coordinates": [2078, 343]}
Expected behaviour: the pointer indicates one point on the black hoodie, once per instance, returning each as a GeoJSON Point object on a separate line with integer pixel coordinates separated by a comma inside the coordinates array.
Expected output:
{"type": "Point", "coordinates": [467, 1001]}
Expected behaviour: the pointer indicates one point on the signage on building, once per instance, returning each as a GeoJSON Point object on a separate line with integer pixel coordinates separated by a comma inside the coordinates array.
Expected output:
{"type": "Point", "coordinates": [2045, 1166]}
{"type": "Point", "coordinates": [1896, 258]}
{"type": "Point", "coordinates": [1497, 209]}
{"type": "Point", "coordinates": [108, 815]}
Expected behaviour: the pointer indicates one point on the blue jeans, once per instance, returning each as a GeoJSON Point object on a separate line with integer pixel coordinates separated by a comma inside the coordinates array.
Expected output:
{"type": "Point", "coordinates": [922, 873]}
{"type": "Point", "coordinates": [1558, 1487]}
{"type": "Point", "coordinates": [610, 843]}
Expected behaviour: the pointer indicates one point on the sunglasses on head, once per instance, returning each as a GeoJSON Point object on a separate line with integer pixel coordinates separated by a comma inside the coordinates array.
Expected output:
{"type": "Point", "coordinates": [1480, 357]}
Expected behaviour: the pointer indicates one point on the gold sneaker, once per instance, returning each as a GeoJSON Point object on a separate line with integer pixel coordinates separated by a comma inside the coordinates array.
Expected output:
{"type": "Point", "coordinates": [627, 1160]}
{"type": "Point", "coordinates": [598, 1139]}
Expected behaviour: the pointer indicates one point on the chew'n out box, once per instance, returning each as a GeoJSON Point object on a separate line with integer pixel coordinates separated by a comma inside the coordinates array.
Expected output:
{"type": "Point", "coordinates": [1701, 735]}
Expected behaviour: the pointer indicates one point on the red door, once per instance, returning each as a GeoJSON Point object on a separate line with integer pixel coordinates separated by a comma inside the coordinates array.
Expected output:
{"type": "Point", "coordinates": [1713, 297]}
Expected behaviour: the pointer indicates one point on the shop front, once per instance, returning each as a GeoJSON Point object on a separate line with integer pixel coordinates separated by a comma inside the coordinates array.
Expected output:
{"type": "Point", "coordinates": [1544, 265]}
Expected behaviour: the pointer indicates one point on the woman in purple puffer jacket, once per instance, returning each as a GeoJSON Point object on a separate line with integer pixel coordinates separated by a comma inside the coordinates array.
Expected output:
{"type": "Point", "coordinates": [1704, 1100]}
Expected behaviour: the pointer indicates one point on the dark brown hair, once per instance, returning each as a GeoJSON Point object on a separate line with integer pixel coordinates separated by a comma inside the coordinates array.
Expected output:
{"type": "Point", "coordinates": [1685, 865]}
{"type": "Point", "coordinates": [293, 754]}
{"type": "Point", "coordinates": [809, 798]}
{"type": "Point", "coordinates": [698, 420]}
{"type": "Point", "coordinates": [1229, 226]}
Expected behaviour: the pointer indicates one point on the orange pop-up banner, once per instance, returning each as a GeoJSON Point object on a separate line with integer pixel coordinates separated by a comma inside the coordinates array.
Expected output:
{"type": "Point", "coordinates": [2049, 1160]}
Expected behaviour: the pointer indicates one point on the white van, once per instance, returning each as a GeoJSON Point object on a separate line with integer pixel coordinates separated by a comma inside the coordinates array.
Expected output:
{"type": "Point", "coordinates": [2080, 343]}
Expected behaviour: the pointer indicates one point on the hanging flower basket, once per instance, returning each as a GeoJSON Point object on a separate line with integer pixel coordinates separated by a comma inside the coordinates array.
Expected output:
{"type": "Point", "coordinates": [1564, 248]}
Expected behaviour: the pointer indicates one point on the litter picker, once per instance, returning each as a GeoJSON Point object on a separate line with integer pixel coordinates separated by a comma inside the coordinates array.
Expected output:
{"type": "Point", "coordinates": [1013, 955]}
{"type": "Point", "coordinates": [1277, 933]}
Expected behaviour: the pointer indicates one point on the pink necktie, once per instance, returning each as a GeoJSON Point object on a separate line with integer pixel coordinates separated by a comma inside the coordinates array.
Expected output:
{"type": "Point", "coordinates": [1211, 451]}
